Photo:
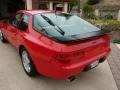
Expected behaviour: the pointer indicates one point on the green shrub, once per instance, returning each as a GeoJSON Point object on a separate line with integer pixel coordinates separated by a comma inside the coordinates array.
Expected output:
{"type": "Point", "coordinates": [92, 2]}
{"type": "Point", "coordinates": [88, 11]}
{"type": "Point", "coordinates": [112, 25]}
{"type": "Point", "coordinates": [109, 16]}
{"type": "Point", "coordinates": [72, 4]}
{"type": "Point", "coordinates": [116, 41]}
{"type": "Point", "coordinates": [94, 22]}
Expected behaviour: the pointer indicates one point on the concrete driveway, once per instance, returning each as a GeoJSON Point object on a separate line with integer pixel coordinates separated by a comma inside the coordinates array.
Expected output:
{"type": "Point", "coordinates": [12, 76]}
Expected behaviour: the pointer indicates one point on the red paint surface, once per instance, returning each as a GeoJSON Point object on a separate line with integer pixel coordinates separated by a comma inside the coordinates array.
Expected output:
{"type": "Point", "coordinates": [53, 59]}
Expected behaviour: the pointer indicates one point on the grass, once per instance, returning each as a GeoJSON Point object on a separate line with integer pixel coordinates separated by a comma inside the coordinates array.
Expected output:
{"type": "Point", "coordinates": [117, 41]}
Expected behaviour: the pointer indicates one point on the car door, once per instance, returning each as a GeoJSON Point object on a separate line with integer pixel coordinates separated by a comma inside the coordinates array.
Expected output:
{"type": "Point", "coordinates": [23, 28]}
{"type": "Point", "coordinates": [12, 28]}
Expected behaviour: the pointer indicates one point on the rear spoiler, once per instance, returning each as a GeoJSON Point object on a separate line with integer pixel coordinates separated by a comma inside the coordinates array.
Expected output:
{"type": "Point", "coordinates": [81, 37]}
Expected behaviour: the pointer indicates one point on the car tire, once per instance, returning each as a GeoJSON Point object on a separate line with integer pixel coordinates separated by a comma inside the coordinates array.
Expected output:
{"type": "Point", "coordinates": [27, 63]}
{"type": "Point", "coordinates": [102, 60]}
{"type": "Point", "coordinates": [2, 38]}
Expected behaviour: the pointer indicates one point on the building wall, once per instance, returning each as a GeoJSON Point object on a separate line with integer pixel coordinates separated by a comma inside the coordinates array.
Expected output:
{"type": "Point", "coordinates": [109, 2]}
{"type": "Point", "coordinates": [50, 4]}
{"type": "Point", "coordinates": [54, 0]}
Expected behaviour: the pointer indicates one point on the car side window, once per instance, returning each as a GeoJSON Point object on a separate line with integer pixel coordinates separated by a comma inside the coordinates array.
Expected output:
{"type": "Point", "coordinates": [16, 19]}
{"type": "Point", "coordinates": [23, 25]}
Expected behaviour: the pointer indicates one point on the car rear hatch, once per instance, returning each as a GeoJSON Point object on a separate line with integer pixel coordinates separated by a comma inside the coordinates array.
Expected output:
{"type": "Point", "coordinates": [86, 48]}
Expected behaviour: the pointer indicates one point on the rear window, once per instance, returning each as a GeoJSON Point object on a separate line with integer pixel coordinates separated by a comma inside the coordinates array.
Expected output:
{"type": "Point", "coordinates": [62, 24]}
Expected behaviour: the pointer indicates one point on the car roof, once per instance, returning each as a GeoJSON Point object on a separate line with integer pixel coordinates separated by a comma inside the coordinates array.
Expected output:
{"type": "Point", "coordinates": [33, 12]}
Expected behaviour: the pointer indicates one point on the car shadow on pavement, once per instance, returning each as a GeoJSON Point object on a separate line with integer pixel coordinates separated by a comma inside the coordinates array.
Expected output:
{"type": "Point", "coordinates": [96, 79]}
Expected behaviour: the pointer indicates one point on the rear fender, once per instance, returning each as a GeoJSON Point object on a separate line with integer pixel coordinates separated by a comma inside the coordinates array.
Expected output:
{"type": "Point", "coordinates": [1, 25]}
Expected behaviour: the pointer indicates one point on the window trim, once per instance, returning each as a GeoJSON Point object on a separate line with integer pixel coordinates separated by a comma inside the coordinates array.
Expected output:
{"type": "Point", "coordinates": [14, 17]}
{"type": "Point", "coordinates": [21, 20]}
{"type": "Point", "coordinates": [39, 32]}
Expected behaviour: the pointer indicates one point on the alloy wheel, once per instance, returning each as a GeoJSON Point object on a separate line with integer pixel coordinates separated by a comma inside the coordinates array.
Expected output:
{"type": "Point", "coordinates": [26, 61]}
{"type": "Point", "coordinates": [1, 36]}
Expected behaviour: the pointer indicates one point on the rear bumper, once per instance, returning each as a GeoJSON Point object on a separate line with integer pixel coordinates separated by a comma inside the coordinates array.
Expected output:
{"type": "Point", "coordinates": [62, 72]}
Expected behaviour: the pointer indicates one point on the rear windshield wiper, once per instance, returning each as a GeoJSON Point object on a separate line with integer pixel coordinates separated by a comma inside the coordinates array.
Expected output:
{"type": "Point", "coordinates": [53, 24]}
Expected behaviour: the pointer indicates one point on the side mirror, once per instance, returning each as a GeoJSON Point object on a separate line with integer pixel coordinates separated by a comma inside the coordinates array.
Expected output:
{"type": "Point", "coordinates": [1, 24]}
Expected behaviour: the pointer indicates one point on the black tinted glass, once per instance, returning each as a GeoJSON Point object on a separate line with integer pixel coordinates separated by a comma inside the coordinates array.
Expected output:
{"type": "Point", "coordinates": [69, 24]}
{"type": "Point", "coordinates": [24, 22]}
{"type": "Point", "coordinates": [16, 19]}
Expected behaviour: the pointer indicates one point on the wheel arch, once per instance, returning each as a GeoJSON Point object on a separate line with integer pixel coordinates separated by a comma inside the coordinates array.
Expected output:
{"type": "Point", "coordinates": [20, 48]}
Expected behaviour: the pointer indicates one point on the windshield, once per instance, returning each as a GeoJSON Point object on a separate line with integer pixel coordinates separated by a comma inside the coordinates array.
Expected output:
{"type": "Point", "coordinates": [62, 24]}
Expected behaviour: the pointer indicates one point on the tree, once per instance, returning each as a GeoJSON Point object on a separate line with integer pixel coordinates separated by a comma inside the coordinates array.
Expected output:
{"type": "Point", "coordinates": [87, 11]}
{"type": "Point", "coordinates": [72, 4]}
{"type": "Point", "coordinates": [92, 2]}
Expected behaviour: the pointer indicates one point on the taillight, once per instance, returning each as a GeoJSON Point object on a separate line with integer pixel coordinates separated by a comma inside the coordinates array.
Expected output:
{"type": "Point", "coordinates": [68, 57]}
{"type": "Point", "coordinates": [107, 40]}
{"type": "Point", "coordinates": [62, 58]}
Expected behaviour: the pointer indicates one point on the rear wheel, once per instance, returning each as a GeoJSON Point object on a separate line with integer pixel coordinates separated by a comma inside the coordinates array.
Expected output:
{"type": "Point", "coordinates": [2, 37]}
{"type": "Point", "coordinates": [27, 63]}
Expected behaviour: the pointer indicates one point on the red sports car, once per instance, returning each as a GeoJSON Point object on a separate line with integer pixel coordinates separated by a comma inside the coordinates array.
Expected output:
{"type": "Point", "coordinates": [55, 44]}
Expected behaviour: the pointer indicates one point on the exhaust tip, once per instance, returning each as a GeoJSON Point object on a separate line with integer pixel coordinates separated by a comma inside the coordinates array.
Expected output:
{"type": "Point", "coordinates": [71, 79]}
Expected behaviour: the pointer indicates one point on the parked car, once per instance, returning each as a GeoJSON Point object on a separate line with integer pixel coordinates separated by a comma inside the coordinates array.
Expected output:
{"type": "Point", "coordinates": [55, 44]}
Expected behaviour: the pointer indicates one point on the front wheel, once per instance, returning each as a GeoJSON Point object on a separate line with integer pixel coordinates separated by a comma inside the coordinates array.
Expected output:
{"type": "Point", "coordinates": [2, 39]}
{"type": "Point", "coordinates": [27, 63]}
